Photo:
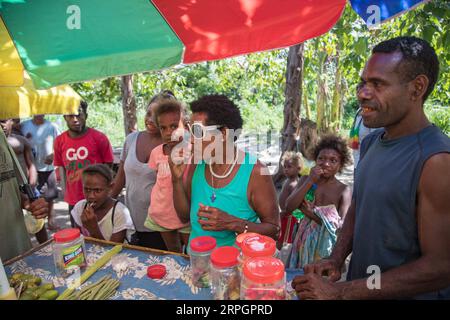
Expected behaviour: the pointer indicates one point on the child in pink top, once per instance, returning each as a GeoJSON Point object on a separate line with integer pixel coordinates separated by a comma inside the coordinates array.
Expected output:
{"type": "Point", "coordinates": [162, 215]}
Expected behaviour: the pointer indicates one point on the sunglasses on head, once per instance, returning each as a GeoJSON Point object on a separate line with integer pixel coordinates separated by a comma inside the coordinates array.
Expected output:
{"type": "Point", "coordinates": [198, 130]}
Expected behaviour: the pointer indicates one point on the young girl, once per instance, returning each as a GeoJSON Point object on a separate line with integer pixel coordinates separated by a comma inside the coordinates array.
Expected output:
{"type": "Point", "coordinates": [317, 231]}
{"type": "Point", "coordinates": [162, 217]}
{"type": "Point", "coordinates": [100, 216]}
{"type": "Point", "coordinates": [292, 165]}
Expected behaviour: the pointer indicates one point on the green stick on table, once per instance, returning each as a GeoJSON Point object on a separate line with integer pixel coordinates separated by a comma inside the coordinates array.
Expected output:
{"type": "Point", "coordinates": [92, 269]}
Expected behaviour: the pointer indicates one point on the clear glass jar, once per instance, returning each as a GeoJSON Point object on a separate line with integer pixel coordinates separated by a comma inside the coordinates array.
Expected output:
{"type": "Point", "coordinates": [200, 256]}
{"type": "Point", "coordinates": [225, 278]}
{"type": "Point", "coordinates": [69, 251]}
{"type": "Point", "coordinates": [263, 278]}
{"type": "Point", "coordinates": [256, 246]}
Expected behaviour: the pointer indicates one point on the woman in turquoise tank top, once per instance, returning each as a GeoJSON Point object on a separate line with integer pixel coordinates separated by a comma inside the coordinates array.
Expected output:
{"type": "Point", "coordinates": [227, 191]}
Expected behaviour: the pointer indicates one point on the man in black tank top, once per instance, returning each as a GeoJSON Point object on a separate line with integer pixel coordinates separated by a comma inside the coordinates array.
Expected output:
{"type": "Point", "coordinates": [397, 227]}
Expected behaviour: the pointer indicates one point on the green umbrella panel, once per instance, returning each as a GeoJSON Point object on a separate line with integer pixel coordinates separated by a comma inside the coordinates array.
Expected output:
{"type": "Point", "coordinates": [90, 39]}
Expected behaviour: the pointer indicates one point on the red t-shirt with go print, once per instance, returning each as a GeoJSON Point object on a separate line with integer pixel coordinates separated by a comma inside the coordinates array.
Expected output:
{"type": "Point", "coordinates": [75, 154]}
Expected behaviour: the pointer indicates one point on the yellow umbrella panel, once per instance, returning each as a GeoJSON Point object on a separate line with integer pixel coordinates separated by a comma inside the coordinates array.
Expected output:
{"type": "Point", "coordinates": [11, 68]}
{"type": "Point", "coordinates": [26, 101]}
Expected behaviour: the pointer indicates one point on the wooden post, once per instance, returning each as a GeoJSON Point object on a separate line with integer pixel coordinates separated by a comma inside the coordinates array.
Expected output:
{"type": "Point", "coordinates": [128, 105]}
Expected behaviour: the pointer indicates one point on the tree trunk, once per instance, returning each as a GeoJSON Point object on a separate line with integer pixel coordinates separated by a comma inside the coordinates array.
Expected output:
{"type": "Point", "coordinates": [128, 105]}
{"type": "Point", "coordinates": [293, 98]}
{"type": "Point", "coordinates": [336, 102]}
{"type": "Point", "coordinates": [338, 95]}
{"type": "Point", "coordinates": [344, 88]}
{"type": "Point", "coordinates": [307, 107]}
{"type": "Point", "coordinates": [308, 139]}
{"type": "Point", "coordinates": [321, 98]}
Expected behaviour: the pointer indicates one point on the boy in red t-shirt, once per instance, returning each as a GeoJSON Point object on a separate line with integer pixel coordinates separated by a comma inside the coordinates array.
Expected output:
{"type": "Point", "coordinates": [77, 148]}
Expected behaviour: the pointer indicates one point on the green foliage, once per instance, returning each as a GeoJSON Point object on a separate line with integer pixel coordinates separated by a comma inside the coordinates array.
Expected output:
{"type": "Point", "coordinates": [350, 109]}
{"type": "Point", "coordinates": [440, 116]}
{"type": "Point", "coordinates": [106, 90]}
{"type": "Point", "coordinates": [108, 118]}
{"type": "Point", "coordinates": [348, 45]}
{"type": "Point", "coordinates": [261, 117]}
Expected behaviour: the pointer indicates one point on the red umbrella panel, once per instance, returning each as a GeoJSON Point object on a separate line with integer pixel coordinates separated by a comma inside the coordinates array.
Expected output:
{"type": "Point", "coordinates": [212, 30]}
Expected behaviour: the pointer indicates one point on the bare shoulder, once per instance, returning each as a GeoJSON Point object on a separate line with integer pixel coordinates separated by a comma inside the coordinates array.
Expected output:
{"type": "Point", "coordinates": [260, 178]}
{"type": "Point", "coordinates": [260, 172]}
{"type": "Point", "coordinates": [290, 185]}
{"type": "Point", "coordinates": [19, 139]}
{"type": "Point", "coordinates": [261, 191]}
{"type": "Point", "coordinates": [434, 183]}
{"type": "Point", "coordinates": [436, 171]}
{"type": "Point", "coordinates": [439, 160]}
{"type": "Point", "coordinates": [342, 186]}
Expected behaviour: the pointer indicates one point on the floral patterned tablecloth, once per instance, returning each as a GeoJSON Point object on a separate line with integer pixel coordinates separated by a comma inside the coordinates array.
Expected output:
{"type": "Point", "coordinates": [135, 285]}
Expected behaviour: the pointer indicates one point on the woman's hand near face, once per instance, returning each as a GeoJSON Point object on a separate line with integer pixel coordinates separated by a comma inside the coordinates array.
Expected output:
{"type": "Point", "coordinates": [179, 155]}
{"type": "Point", "coordinates": [316, 174]}
{"type": "Point", "coordinates": [89, 219]}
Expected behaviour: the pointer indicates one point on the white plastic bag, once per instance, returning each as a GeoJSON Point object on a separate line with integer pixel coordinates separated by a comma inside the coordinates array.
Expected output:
{"type": "Point", "coordinates": [32, 224]}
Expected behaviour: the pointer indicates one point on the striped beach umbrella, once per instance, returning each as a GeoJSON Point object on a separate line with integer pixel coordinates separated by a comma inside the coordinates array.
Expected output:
{"type": "Point", "coordinates": [66, 41]}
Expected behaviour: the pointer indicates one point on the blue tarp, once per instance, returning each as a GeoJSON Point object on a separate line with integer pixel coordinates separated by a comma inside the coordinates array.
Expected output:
{"type": "Point", "coordinates": [375, 12]}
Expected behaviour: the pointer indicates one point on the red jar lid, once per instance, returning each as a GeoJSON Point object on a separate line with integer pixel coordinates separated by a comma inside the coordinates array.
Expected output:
{"type": "Point", "coordinates": [258, 246]}
{"type": "Point", "coordinates": [156, 271]}
{"type": "Point", "coordinates": [241, 237]}
{"type": "Point", "coordinates": [66, 235]}
{"type": "Point", "coordinates": [224, 257]}
{"type": "Point", "coordinates": [264, 270]}
{"type": "Point", "coordinates": [203, 244]}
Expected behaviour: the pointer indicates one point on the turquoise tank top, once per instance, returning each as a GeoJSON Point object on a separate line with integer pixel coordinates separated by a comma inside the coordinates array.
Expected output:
{"type": "Point", "coordinates": [232, 199]}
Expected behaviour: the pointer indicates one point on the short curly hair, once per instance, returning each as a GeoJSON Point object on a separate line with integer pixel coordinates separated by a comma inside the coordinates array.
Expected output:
{"type": "Point", "coordinates": [335, 143]}
{"type": "Point", "coordinates": [99, 169]}
{"type": "Point", "coordinates": [295, 157]}
{"type": "Point", "coordinates": [418, 57]}
{"type": "Point", "coordinates": [220, 111]}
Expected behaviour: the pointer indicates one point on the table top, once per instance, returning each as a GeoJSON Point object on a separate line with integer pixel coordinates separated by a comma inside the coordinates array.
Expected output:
{"type": "Point", "coordinates": [135, 285]}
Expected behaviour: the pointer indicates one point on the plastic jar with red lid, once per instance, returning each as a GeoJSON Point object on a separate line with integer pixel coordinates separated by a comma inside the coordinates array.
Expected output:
{"type": "Point", "coordinates": [263, 278]}
{"type": "Point", "coordinates": [69, 252]}
{"type": "Point", "coordinates": [241, 237]}
{"type": "Point", "coordinates": [225, 278]}
{"type": "Point", "coordinates": [200, 253]}
{"type": "Point", "coordinates": [256, 246]}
